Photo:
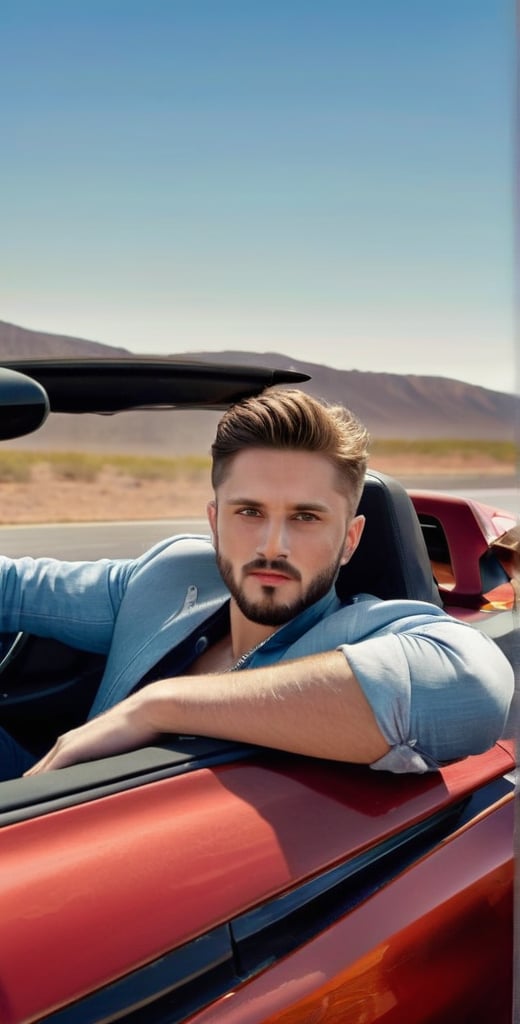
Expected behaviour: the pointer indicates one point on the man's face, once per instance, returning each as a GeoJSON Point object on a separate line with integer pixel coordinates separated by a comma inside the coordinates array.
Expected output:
{"type": "Point", "coordinates": [281, 531]}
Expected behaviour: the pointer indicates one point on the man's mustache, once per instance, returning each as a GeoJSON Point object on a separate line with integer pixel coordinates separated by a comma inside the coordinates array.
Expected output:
{"type": "Point", "coordinates": [277, 565]}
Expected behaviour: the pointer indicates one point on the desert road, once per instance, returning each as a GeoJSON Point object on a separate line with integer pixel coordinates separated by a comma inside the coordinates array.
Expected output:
{"type": "Point", "coordinates": [127, 539]}
{"type": "Point", "coordinates": [93, 540]}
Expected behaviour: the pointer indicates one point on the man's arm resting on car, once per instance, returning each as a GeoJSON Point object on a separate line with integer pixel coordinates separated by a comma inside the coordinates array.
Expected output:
{"type": "Point", "coordinates": [312, 706]}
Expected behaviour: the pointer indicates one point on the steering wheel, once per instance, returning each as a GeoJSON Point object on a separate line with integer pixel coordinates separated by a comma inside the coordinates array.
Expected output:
{"type": "Point", "coordinates": [10, 646]}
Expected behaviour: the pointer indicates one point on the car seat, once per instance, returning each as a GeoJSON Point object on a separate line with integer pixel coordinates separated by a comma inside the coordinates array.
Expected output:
{"type": "Point", "coordinates": [391, 560]}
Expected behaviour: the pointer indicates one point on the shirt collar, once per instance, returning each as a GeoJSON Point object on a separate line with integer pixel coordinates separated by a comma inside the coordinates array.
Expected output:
{"type": "Point", "coordinates": [293, 630]}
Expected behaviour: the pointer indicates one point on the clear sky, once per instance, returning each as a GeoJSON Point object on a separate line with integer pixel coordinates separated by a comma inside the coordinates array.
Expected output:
{"type": "Point", "coordinates": [330, 179]}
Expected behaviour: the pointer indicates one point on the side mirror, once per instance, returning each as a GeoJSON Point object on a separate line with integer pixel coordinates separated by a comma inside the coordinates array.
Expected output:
{"type": "Point", "coordinates": [24, 404]}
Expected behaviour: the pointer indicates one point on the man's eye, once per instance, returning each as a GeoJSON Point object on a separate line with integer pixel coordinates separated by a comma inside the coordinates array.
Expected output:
{"type": "Point", "coordinates": [306, 517]}
{"type": "Point", "coordinates": [248, 512]}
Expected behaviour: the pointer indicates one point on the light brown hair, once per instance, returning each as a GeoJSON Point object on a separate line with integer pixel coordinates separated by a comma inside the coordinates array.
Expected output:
{"type": "Point", "coordinates": [286, 418]}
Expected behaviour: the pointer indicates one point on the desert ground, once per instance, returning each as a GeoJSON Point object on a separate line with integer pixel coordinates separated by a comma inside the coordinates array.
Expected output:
{"type": "Point", "coordinates": [112, 496]}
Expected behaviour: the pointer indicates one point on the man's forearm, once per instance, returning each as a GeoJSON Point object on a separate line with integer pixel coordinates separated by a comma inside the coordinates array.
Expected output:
{"type": "Point", "coordinates": [311, 706]}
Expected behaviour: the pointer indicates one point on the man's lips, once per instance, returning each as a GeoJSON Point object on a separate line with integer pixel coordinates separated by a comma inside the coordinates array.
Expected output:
{"type": "Point", "coordinates": [268, 578]}
{"type": "Point", "coordinates": [271, 574]}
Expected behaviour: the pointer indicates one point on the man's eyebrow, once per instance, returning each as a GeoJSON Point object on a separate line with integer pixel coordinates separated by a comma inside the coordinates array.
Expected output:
{"type": "Point", "coordinates": [244, 501]}
{"type": "Point", "coordinates": [302, 506]}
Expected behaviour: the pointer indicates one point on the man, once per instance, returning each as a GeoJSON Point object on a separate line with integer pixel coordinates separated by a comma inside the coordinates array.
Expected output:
{"type": "Point", "coordinates": [245, 638]}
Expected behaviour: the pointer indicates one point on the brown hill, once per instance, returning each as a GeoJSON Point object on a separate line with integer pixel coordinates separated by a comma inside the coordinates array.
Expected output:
{"type": "Point", "coordinates": [21, 343]}
{"type": "Point", "coordinates": [402, 405]}
{"type": "Point", "coordinates": [391, 405]}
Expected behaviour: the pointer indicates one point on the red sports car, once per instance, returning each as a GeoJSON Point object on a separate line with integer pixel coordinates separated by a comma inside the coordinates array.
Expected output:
{"type": "Point", "coordinates": [201, 881]}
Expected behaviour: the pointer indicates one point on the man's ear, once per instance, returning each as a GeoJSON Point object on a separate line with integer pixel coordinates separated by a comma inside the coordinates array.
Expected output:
{"type": "Point", "coordinates": [353, 538]}
{"type": "Point", "coordinates": [211, 510]}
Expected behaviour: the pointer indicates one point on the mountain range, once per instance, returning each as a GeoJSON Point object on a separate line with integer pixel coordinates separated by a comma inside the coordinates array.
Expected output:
{"type": "Point", "coordinates": [391, 405]}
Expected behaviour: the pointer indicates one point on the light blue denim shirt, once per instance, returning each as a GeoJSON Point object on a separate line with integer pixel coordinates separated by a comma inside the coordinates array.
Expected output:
{"type": "Point", "coordinates": [439, 689]}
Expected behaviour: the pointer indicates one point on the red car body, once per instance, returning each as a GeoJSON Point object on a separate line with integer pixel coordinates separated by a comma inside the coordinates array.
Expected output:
{"type": "Point", "coordinates": [110, 889]}
{"type": "Point", "coordinates": [200, 881]}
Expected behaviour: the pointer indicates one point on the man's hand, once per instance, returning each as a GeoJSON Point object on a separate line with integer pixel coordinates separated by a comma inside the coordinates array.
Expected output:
{"type": "Point", "coordinates": [122, 728]}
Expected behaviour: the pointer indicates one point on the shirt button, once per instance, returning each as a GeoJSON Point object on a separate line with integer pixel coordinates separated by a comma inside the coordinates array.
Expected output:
{"type": "Point", "coordinates": [201, 645]}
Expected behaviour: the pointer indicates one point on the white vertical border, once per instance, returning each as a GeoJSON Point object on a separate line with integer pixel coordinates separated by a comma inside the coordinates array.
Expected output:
{"type": "Point", "coordinates": [516, 640]}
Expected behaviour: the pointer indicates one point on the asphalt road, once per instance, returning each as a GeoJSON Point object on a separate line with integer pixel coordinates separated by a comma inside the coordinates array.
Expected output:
{"type": "Point", "coordinates": [127, 539]}
{"type": "Point", "coordinates": [92, 540]}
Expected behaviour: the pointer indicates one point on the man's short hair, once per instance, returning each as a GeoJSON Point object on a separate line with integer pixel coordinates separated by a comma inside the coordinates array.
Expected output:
{"type": "Point", "coordinates": [287, 418]}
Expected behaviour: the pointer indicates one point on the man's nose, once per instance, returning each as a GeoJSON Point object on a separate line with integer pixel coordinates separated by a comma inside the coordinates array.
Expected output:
{"type": "Point", "coordinates": [273, 541]}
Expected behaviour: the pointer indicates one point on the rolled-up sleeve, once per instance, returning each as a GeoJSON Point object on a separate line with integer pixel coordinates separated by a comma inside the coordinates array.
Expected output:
{"type": "Point", "coordinates": [439, 691]}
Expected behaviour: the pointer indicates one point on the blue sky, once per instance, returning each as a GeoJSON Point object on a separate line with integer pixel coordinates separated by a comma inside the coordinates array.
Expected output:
{"type": "Point", "coordinates": [331, 180]}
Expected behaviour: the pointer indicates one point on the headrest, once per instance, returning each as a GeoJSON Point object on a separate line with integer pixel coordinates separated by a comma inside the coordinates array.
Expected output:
{"type": "Point", "coordinates": [391, 560]}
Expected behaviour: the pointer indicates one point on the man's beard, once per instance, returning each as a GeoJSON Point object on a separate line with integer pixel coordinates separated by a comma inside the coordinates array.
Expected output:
{"type": "Point", "coordinates": [267, 612]}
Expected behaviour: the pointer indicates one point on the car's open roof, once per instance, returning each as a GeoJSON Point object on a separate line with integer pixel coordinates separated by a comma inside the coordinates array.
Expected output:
{"type": "Point", "coordinates": [112, 385]}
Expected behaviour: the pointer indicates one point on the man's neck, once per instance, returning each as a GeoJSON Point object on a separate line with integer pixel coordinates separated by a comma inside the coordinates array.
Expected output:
{"type": "Point", "coordinates": [246, 634]}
